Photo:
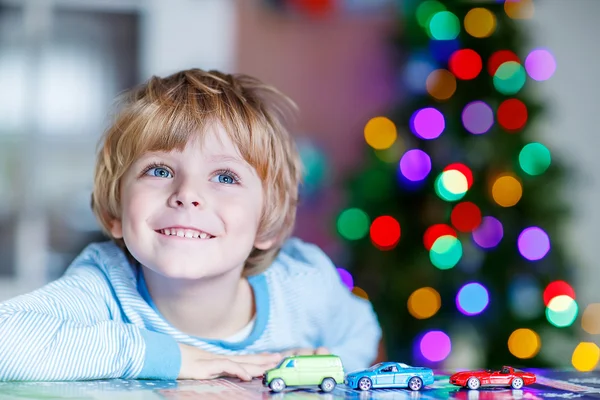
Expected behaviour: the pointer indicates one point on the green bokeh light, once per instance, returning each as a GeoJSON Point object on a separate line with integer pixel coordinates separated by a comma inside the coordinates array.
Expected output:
{"type": "Point", "coordinates": [451, 185]}
{"type": "Point", "coordinates": [534, 158]}
{"type": "Point", "coordinates": [446, 252]}
{"type": "Point", "coordinates": [562, 311]}
{"type": "Point", "coordinates": [353, 224]}
{"type": "Point", "coordinates": [444, 26]}
{"type": "Point", "coordinates": [509, 78]}
{"type": "Point", "coordinates": [426, 10]}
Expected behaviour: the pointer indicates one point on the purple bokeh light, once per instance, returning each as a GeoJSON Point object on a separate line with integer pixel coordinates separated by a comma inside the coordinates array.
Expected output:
{"type": "Point", "coordinates": [489, 233]}
{"type": "Point", "coordinates": [346, 278]}
{"type": "Point", "coordinates": [533, 243]}
{"type": "Point", "coordinates": [540, 65]}
{"type": "Point", "coordinates": [435, 346]}
{"type": "Point", "coordinates": [477, 117]}
{"type": "Point", "coordinates": [427, 123]}
{"type": "Point", "coordinates": [415, 165]}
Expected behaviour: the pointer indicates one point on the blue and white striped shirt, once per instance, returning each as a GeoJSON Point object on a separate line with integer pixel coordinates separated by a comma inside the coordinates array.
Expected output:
{"type": "Point", "coordinates": [98, 322]}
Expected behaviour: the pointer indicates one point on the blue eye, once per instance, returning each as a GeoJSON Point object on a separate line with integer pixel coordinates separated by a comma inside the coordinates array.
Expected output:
{"type": "Point", "coordinates": [227, 178]}
{"type": "Point", "coordinates": [159, 172]}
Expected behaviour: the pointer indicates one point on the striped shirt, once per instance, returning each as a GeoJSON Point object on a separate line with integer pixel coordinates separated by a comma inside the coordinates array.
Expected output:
{"type": "Point", "coordinates": [98, 321]}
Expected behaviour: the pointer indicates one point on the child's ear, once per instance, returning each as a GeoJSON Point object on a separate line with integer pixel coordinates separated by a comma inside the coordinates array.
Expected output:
{"type": "Point", "coordinates": [116, 229]}
{"type": "Point", "coordinates": [264, 244]}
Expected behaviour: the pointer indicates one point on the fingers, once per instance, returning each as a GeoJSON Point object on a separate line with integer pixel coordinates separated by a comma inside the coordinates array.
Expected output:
{"type": "Point", "coordinates": [322, 350]}
{"type": "Point", "coordinates": [219, 368]}
{"type": "Point", "coordinates": [305, 352]}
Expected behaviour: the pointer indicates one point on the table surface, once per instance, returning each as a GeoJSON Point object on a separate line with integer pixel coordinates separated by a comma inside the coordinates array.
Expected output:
{"type": "Point", "coordinates": [550, 384]}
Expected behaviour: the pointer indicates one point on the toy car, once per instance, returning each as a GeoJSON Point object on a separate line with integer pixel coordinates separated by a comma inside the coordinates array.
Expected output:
{"type": "Point", "coordinates": [324, 371]}
{"type": "Point", "coordinates": [507, 376]}
{"type": "Point", "coordinates": [389, 375]}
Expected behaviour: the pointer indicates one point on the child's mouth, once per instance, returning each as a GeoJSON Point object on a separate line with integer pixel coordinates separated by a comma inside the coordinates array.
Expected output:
{"type": "Point", "coordinates": [185, 233]}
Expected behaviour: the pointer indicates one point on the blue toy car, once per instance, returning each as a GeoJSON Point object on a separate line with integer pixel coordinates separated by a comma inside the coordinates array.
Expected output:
{"type": "Point", "coordinates": [390, 375]}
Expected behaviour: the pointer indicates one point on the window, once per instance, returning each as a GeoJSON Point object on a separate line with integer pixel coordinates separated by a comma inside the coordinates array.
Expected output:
{"type": "Point", "coordinates": [291, 364]}
{"type": "Point", "coordinates": [391, 368]}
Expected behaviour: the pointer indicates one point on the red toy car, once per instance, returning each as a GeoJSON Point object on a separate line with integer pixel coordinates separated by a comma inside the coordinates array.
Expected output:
{"type": "Point", "coordinates": [507, 376]}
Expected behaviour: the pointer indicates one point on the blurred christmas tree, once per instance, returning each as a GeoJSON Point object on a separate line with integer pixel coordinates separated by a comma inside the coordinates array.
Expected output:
{"type": "Point", "coordinates": [453, 224]}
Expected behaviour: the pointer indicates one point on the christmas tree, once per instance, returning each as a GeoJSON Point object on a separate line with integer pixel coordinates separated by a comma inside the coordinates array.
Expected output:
{"type": "Point", "coordinates": [452, 224]}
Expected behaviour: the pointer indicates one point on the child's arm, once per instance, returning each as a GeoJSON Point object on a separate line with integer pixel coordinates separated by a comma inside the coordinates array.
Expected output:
{"type": "Point", "coordinates": [66, 331]}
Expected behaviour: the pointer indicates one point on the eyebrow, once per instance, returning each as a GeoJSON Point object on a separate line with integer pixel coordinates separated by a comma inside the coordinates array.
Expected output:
{"type": "Point", "coordinates": [228, 158]}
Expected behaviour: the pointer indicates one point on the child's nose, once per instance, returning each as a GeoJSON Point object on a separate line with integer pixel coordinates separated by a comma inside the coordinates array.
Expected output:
{"type": "Point", "coordinates": [186, 198]}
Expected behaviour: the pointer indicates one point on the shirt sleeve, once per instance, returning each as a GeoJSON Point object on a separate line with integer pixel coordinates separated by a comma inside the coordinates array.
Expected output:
{"type": "Point", "coordinates": [66, 331]}
{"type": "Point", "coordinates": [349, 325]}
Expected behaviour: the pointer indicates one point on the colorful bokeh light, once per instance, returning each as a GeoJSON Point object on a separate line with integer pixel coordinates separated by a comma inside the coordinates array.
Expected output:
{"type": "Point", "coordinates": [510, 78]}
{"type": "Point", "coordinates": [451, 185]}
{"type": "Point", "coordinates": [380, 133]}
{"type": "Point", "coordinates": [353, 224]}
{"type": "Point", "coordinates": [427, 123]}
{"type": "Point", "coordinates": [424, 303]}
{"type": "Point", "coordinates": [417, 68]}
{"type": "Point", "coordinates": [446, 252]}
{"type": "Point", "coordinates": [360, 293]}
{"type": "Point", "coordinates": [512, 115]}
{"type": "Point", "coordinates": [525, 298]}
{"type": "Point", "coordinates": [585, 356]}
{"type": "Point", "coordinates": [590, 320]}
{"type": "Point", "coordinates": [562, 311]}
{"type": "Point", "coordinates": [385, 232]}
{"type": "Point", "coordinates": [465, 64]}
{"type": "Point", "coordinates": [519, 9]}
{"type": "Point", "coordinates": [346, 278]}
{"type": "Point", "coordinates": [480, 22]}
{"type": "Point", "coordinates": [442, 50]}
{"type": "Point", "coordinates": [534, 159]}
{"type": "Point", "coordinates": [392, 154]}
{"type": "Point", "coordinates": [524, 343]}
{"type": "Point", "coordinates": [507, 190]}
{"type": "Point", "coordinates": [415, 165]}
{"type": "Point", "coordinates": [489, 233]}
{"type": "Point", "coordinates": [434, 232]}
{"type": "Point", "coordinates": [540, 65]}
{"type": "Point", "coordinates": [465, 216]}
{"type": "Point", "coordinates": [557, 288]}
{"type": "Point", "coordinates": [477, 117]}
{"type": "Point", "coordinates": [441, 84]}
{"type": "Point", "coordinates": [463, 169]}
{"type": "Point", "coordinates": [426, 10]}
{"type": "Point", "coordinates": [435, 346]}
{"type": "Point", "coordinates": [444, 25]}
{"type": "Point", "coordinates": [500, 57]}
{"type": "Point", "coordinates": [533, 243]}
{"type": "Point", "coordinates": [472, 299]}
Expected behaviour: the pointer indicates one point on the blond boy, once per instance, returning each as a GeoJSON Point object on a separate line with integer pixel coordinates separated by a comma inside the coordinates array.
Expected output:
{"type": "Point", "coordinates": [196, 183]}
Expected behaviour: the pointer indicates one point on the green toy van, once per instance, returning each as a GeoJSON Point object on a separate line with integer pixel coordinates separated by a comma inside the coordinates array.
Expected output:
{"type": "Point", "coordinates": [324, 371]}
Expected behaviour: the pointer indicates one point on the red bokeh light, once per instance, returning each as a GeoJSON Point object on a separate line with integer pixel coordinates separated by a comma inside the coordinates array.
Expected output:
{"type": "Point", "coordinates": [434, 232]}
{"type": "Point", "coordinates": [499, 58]}
{"type": "Point", "coordinates": [314, 8]}
{"type": "Point", "coordinates": [558, 288]}
{"type": "Point", "coordinates": [385, 232]}
{"type": "Point", "coordinates": [462, 168]}
{"type": "Point", "coordinates": [512, 115]}
{"type": "Point", "coordinates": [465, 216]}
{"type": "Point", "coordinates": [465, 64]}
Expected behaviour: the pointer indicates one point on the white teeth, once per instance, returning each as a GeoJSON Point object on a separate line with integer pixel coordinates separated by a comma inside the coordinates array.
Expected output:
{"type": "Point", "coordinates": [185, 233]}
{"type": "Point", "coordinates": [189, 234]}
{"type": "Point", "coordinates": [203, 235]}
{"type": "Point", "coordinates": [180, 233]}
{"type": "Point", "coordinates": [167, 232]}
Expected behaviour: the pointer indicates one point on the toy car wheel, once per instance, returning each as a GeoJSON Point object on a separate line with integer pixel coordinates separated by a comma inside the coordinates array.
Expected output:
{"type": "Point", "coordinates": [364, 384]}
{"type": "Point", "coordinates": [277, 385]}
{"type": "Point", "coordinates": [415, 383]}
{"type": "Point", "coordinates": [473, 383]}
{"type": "Point", "coordinates": [327, 385]}
{"type": "Point", "coordinates": [517, 383]}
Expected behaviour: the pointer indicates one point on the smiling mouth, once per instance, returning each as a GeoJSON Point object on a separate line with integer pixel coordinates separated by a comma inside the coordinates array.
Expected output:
{"type": "Point", "coordinates": [185, 233]}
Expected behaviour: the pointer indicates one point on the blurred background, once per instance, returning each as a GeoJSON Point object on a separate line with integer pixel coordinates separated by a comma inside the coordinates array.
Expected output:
{"type": "Point", "coordinates": [450, 151]}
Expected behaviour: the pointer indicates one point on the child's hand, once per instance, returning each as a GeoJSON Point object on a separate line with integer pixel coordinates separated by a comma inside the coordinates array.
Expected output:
{"type": "Point", "coordinates": [305, 352]}
{"type": "Point", "coordinates": [201, 364]}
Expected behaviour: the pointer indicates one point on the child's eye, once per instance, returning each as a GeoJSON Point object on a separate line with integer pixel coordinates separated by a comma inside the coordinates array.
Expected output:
{"type": "Point", "coordinates": [226, 177]}
{"type": "Point", "coordinates": [159, 172]}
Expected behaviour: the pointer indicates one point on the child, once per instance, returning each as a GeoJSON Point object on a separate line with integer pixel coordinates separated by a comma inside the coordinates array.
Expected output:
{"type": "Point", "coordinates": [196, 184]}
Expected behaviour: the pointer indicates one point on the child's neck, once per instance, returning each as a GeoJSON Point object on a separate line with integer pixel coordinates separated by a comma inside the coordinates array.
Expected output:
{"type": "Point", "coordinates": [211, 308]}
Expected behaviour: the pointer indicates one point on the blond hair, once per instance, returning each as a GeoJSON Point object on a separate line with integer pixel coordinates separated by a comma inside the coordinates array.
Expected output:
{"type": "Point", "coordinates": [163, 114]}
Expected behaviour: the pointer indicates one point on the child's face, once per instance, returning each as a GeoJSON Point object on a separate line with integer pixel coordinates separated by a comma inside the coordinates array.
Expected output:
{"type": "Point", "coordinates": [171, 201]}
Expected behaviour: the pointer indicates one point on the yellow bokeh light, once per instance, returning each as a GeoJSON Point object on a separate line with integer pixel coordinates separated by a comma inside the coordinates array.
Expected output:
{"type": "Point", "coordinates": [560, 303]}
{"type": "Point", "coordinates": [455, 181]}
{"type": "Point", "coordinates": [380, 133]}
{"type": "Point", "coordinates": [392, 154]}
{"type": "Point", "coordinates": [507, 191]}
{"type": "Point", "coordinates": [524, 343]}
{"type": "Point", "coordinates": [424, 303]}
{"type": "Point", "coordinates": [480, 22]}
{"type": "Point", "coordinates": [441, 84]}
{"type": "Point", "coordinates": [590, 320]}
{"type": "Point", "coordinates": [360, 293]}
{"type": "Point", "coordinates": [585, 356]}
{"type": "Point", "coordinates": [519, 9]}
